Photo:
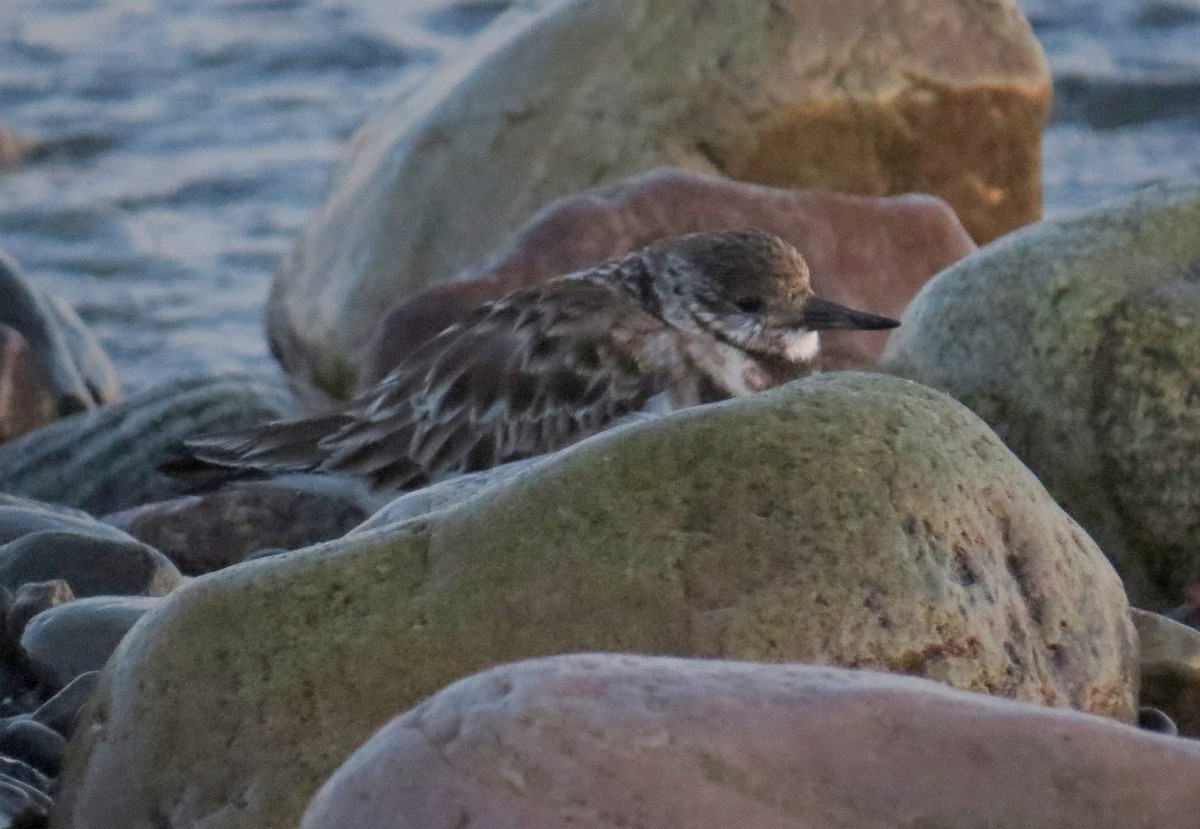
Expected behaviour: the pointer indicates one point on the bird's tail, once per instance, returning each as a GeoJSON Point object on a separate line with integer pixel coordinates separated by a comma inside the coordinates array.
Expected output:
{"type": "Point", "coordinates": [275, 448]}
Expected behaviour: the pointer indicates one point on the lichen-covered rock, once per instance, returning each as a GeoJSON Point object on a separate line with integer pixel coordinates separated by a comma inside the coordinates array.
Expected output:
{"type": "Point", "coordinates": [1078, 340]}
{"type": "Point", "coordinates": [597, 741]}
{"type": "Point", "coordinates": [1169, 657]}
{"type": "Point", "coordinates": [867, 253]}
{"type": "Point", "coordinates": [947, 97]}
{"type": "Point", "coordinates": [202, 533]}
{"type": "Point", "coordinates": [107, 460]}
{"type": "Point", "coordinates": [851, 519]}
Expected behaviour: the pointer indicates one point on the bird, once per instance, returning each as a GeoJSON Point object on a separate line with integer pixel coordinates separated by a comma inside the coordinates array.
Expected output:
{"type": "Point", "coordinates": [687, 320]}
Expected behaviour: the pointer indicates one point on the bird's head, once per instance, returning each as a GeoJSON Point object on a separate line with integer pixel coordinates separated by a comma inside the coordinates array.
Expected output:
{"type": "Point", "coordinates": [749, 289]}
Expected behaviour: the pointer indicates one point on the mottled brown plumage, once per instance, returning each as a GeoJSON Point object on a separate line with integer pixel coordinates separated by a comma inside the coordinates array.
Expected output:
{"type": "Point", "coordinates": [688, 320]}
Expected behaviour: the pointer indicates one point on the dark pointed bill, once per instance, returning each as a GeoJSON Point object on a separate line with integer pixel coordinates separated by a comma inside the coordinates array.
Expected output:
{"type": "Point", "coordinates": [822, 315]}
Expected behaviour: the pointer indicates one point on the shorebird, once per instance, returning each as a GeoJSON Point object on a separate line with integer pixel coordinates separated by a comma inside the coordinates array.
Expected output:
{"type": "Point", "coordinates": [687, 320]}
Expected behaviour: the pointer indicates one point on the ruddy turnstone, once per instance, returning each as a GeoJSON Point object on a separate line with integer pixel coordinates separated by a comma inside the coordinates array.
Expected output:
{"type": "Point", "coordinates": [687, 320]}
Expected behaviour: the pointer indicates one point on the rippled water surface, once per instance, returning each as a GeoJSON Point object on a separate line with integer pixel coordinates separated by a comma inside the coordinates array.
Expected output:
{"type": "Point", "coordinates": [191, 139]}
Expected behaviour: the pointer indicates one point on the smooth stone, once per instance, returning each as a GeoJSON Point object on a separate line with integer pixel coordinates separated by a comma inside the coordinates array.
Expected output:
{"type": "Point", "coordinates": [1169, 661]}
{"type": "Point", "coordinates": [865, 252]}
{"type": "Point", "coordinates": [598, 741]}
{"type": "Point", "coordinates": [947, 97]}
{"type": "Point", "coordinates": [208, 532]}
{"type": "Point", "coordinates": [22, 806]}
{"type": "Point", "coordinates": [9, 500]}
{"type": "Point", "coordinates": [35, 744]}
{"type": "Point", "coordinates": [108, 460]}
{"type": "Point", "coordinates": [20, 518]}
{"type": "Point", "coordinates": [92, 566]}
{"type": "Point", "coordinates": [1152, 719]}
{"type": "Point", "coordinates": [849, 519]}
{"type": "Point", "coordinates": [31, 599]}
{"type": "Point", "coordinates": [27, 400]}
{"type": "Point", "coordinates": [65, 641]}
{"type": "Point", "coordinates": [61, 711]}
{"type": "Point", "coordinates": [1078, 341]}
{"type": "Point", "coordinates": [79, 372]}
{"type": "Point", "coordinates": [14, 769]}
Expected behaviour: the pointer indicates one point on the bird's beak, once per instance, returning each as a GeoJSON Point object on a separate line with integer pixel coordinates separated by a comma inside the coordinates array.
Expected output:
{"type": "Point", "coordinates": [822, 315]}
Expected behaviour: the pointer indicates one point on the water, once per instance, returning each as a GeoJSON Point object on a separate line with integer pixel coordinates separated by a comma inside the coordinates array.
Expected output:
{"type": "Point", "coordinates": [195, 138]}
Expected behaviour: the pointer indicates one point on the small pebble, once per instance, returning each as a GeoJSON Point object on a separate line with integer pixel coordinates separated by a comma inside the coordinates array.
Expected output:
{"type": "Point", "coordinates": [61, 711]}
{"type": "Point", "coordinates": [23, 772]}
{"type": "Point", "coordinates": [32, 599]}
{"type": "Point", "coordinates": [1151, 719]}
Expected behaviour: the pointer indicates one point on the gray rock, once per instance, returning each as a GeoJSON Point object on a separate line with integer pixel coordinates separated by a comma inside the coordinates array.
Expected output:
{"type": "Point", "coordinates": [72, 639]}
{"type": "Point", "coordinates": [107, 460]}
{"type": "Point", "coordinates": [92, 566]}
{"type": "Point", "coordinates": [21, 771]}
{"type": "Point", "coordinates": [38, 745]}
{"type": "Point", "coordinates": [18, 520]}
{"type": "Point", "coordinates": [32, 599]}
{"type": "Point", "coordinates": [80, 372]}
{"type": "Point", "coordinates": [10, 500]}
{"type": "Point", "coordinates": [21, 805]}
{"type": "Point", "coordinates": [61, 711]}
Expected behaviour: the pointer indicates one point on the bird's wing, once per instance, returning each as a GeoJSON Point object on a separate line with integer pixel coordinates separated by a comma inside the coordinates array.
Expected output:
{"type": "Point", "coordinates": [526, 375]}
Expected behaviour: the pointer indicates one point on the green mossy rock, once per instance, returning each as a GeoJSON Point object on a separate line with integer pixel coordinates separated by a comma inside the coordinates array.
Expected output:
{"type": "Point", "coordinates": [1078, 340]}
{"type": "Point", "coordinates": [850, 519]}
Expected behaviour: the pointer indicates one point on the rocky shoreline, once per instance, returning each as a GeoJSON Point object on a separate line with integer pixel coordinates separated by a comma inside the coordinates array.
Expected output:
{"type": "Point", "coordinates": [929, 586]}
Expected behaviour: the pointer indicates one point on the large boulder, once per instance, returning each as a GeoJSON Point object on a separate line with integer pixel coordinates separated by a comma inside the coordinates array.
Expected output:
{"type": "Point", "coordinates": [849, 519]}
{"type": "Point", "coordinates": [1078, 340]}
{"type": "Point", "coordinates": [947, 97]}
{"type": "Point", "coordinates": [865, 252]}
{"type": "Point", "coordinates": [597, 741]}
{"type": "Point", "coordinates": [108, 460]}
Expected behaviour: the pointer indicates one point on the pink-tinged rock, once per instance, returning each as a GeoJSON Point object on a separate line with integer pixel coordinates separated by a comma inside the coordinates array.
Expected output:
{"type": "Point", "coordinates": [202, 533]}
{"type": "Point", "coordinates": [869, 253]}
{"type": "Point", "coordinates": [27, 401]}
{"type": "Point", "coordinates": [592, 741]}
{"type": "Point", "coordinates": [14, 148]}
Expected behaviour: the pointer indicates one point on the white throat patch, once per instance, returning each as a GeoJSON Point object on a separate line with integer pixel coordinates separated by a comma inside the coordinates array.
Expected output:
{"type": "Point", "coordinates": [802, 348]}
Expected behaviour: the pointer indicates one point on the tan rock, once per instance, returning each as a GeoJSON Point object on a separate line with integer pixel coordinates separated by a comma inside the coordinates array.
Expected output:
{"type": "Point", "coordinates": [1169, 657]}
{"type": "Point", "coordinates": [873, 97]}
{"type": "Point", "coordinates": [1078, 341]}
{"type": "Point", "coordinates": [851, 519]}
{"type": "Point", "coordinates": [596, 741]}
{"type": "Point", "coordinates": [27, 400]}
{"type": "Point", "coordinates": [868, 253]}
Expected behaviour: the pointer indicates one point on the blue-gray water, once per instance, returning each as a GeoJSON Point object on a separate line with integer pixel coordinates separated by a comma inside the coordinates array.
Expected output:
{"type": "Point", "coordinates": [196, 137]}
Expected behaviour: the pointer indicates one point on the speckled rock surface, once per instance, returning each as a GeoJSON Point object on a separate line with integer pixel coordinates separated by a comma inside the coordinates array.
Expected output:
{"type": "Point", "coordinates": [852, 519]}
{"type": "Point", "coordinates": [1169, 656]}
{"type": "Point", "coordinates": [939, 96]}
{"type": "Point", "coordinates": [867, 253]}
{"type": "Point", "coordinates": [202, 533]}
{"type": "Point", "coordinates": [1078, 340]}
{"type": "Point", "coordinates": [107, 460]}
{"type": "Point", "coordinates": [597, 741]}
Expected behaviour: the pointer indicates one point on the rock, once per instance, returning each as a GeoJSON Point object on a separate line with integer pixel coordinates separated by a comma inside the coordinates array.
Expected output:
{"type": "Point", "coordinates": [24, 807]}
{"type": "Point", "coordinates": [205, 533]}
{"type": "Point", "coordinates": [848, 519]}
{"type": "Point", "coordinates": [92, 566]}
{"type": "Point", "coordinates": [34, 743]}
{"type": "Point", "coordinates": [72, 639]}
{"type": "Point", "coordinates": [1152, 719]}
{"type": "Point", "coordinates": [20, 518]}
{"type": "Point", "coordinates": [864, 252]}
{"type": "Point", "coordinates": [1078, 341]}
{"type": "Point", "coordinates": [14, 148]}
{"type": "Point", "coordinates": [61, 711]}
{"type": "Point", "coordinates": [1169, 656]}
{"type": "Point", "coordinates": [14, 769]}
{"type": "Point", "coordinates": [80, 374]}
{"type": "Point", "coordinates": [108, 460]}
{"type": "Point", "coordinates": [947, 97]}
{"type": "Point", "coordinates": [9, 500]}
{"type": "Point", "coordinates": [595, 741]}
{"type": "Point", "coordinates": [32, 599]}
{"type": "Point", "coordinates": [27, 401]}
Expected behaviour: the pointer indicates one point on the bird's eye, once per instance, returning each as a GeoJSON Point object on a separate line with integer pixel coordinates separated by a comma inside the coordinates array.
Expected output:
{"type": "Point", "coordinates": [750, 304]}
